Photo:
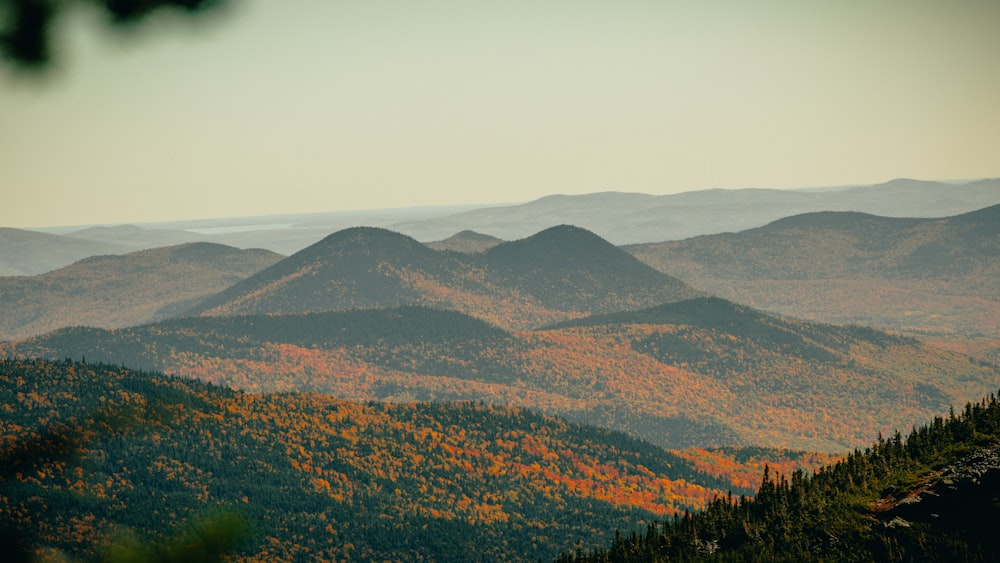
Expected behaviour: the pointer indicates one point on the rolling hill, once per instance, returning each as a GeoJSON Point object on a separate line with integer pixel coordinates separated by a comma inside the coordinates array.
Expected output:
{"type": "Point", "coordinates": [557, 274]}
{"type": "Point", "coordinates": [934, 277]}
{"type": "Point", "coordinates": [692, 373]}
{"type": "Point", "coordinates": [27, 253]}
{"type": "Point", "coordinates": [319, 478]}
{"type": "Point", "coordinates": [121, 290]}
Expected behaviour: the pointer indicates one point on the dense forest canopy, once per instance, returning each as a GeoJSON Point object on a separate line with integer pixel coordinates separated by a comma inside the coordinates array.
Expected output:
{"type": "Point", "coordinates": [931, 496]}
{"type": "Point", "coordinates": [322, 478]}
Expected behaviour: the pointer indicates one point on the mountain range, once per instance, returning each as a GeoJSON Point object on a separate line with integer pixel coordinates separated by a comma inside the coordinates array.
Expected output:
{"type": "Point", "coordinates": [627, 218]}
{"type": "Point", "coordinates": [621, 218]}
{"type": "Point", "coordinates": [559, 273]}
{"type": "Point", "coordinates": [562, 321]}
{"type": "Point", "coordinates": [370, 396]}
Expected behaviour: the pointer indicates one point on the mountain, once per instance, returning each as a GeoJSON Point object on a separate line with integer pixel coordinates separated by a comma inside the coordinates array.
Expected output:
{"type": "Point", "coordinates": [961, 250]}
{"type": "Point", "coordinates": [929, 497]}
{"type": "Point", "coordinates": [115, 291]}
{"type": "Point", "coordinates": [355, 268]}
{"type": "Point", "coordinates": [27, 253]}
{"type": "Point", "coordinates": [567, 268]}
{"type": "Point", "coordinates": [698, 372]}
{"type": "Point", "coordinates": [934, 277]}
{"type": "Point", "coordinates": [469, 242]}
{"type": "Point", "coordinates": [318, 478]}
{"type": "Point", "coordinates": [560, 273]}
{"type": "Point", "coordinates": [629, 218]}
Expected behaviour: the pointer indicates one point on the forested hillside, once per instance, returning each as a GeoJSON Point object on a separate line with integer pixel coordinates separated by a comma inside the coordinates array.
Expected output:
{"type": "Point", "coordinates": [935, 278]}
{"type": "Point", "coordinates": [114, 291]}
{"type": "Point", "coordinates": [701, 372]}
{"type": "Point", "coordinates": [933, 496]}
{"type": "Point", "coordinates": [319, 478]}
{"type": "Point", "coordinates": [558, 274]}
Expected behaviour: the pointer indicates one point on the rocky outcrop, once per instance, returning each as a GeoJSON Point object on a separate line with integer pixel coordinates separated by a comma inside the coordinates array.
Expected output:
{"type": "Point", "coordinates": [962, 495]}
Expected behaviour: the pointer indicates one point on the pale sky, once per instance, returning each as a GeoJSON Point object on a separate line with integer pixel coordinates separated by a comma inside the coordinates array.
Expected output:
{"type": "Point", "coordinates": [324, 105]}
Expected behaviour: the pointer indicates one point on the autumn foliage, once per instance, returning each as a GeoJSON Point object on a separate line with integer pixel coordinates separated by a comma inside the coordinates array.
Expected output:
{"type": "Point", "coordinates": [326, 478]}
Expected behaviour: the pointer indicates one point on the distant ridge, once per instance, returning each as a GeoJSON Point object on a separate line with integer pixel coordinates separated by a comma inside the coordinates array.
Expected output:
{"type": "Point", "coordinates": [619, 217]}
{"type": "Point", "coordinates": [136, 237]}
{"type": "Point", "coordinates": [27, 253]}
{"type": "Point", "coordinates": [931, 276]}
{"type": "Point", "coordinates": [120, 290]}
{"type": "Point", "coordinates": [630, 218]}
{"type": "Point", "coordinates": [467, 241]}
{"type": "Point", "coordinates": [838, 245]}
{"type": "Point", "coordinates": [559, 273]}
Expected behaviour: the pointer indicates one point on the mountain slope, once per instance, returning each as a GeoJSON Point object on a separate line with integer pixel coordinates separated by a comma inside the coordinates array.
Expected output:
{"type": "Point", "coordinates": [927, 276]}
{"type": "Point", "coordinates": [320, 478]}
{"type": "Point", "coordinates": [561, 273]}
{"type": "Point", "coordinates": [115, 291]}
{"type": "Point", "coordinates": [694, 373]}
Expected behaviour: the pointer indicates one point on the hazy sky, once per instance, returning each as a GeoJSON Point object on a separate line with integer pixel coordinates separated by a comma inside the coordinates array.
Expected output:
{"type": "Point", "coordinates": [322, 105]}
